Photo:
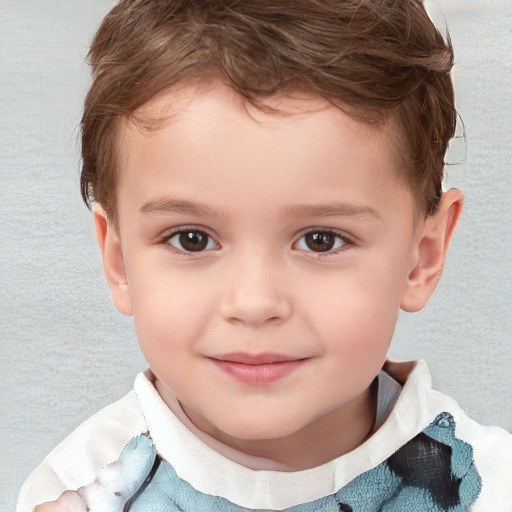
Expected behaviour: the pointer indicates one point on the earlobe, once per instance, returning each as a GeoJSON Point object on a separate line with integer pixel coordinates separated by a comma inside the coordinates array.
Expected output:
{"type": "Point", "coordinates": [429, 255]}
{"type": "Point", "coordinates": [113, 264]}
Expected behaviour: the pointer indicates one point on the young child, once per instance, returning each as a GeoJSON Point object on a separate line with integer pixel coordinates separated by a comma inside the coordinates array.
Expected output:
{"type": "Point", "coordinates": [267, 185]}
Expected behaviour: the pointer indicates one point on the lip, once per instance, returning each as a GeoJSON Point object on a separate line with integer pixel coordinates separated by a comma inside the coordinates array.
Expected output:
{"type": "Point", "coordinates": [257, 369]}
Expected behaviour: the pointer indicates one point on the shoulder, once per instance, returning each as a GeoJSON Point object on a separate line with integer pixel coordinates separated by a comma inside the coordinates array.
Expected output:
{"type": "Point", "coordinates": [492, 455]}
{"type": "Point", "coordinates": [491, 451]}
{"type": "Point", "coordinates": [480, 455]}
{"type": "Point", "coordinates": [76, 460]}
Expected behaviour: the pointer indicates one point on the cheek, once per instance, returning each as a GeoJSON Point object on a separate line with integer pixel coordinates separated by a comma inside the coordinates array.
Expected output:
{"type": "Point", "coordinates": [170, 311]}
{"type": "Point", "coordinates": [359, 313]}
{"type": "Point", "coordinates": [355, 336]}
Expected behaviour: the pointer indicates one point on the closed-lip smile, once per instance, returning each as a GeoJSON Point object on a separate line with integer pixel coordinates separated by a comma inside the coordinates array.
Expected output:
{"type": "Point", "coordinates": [257, 369]}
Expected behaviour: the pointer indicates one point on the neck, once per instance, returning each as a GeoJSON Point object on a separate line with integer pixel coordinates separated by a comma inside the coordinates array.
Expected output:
{"type": "Point", "coordinates": [323, 440]}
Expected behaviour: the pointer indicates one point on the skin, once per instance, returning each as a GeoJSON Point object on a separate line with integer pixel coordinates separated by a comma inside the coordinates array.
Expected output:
{"type": "Point", "coordinates": [254, 185]}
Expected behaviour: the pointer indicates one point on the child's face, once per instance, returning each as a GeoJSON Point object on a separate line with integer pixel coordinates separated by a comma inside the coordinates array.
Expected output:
{"type": "Point", "coordinates": [266, 259]}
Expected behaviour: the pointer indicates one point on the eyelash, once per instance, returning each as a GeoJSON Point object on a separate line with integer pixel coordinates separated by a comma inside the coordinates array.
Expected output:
{"type": "Point", "coordinates": [183, 230]}
{"type": "Point", "coordinates": [338, 237]}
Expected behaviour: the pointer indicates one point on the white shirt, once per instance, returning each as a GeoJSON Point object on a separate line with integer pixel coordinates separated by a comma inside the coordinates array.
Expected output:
{"type": "Point", "coordinates": [100, 440]}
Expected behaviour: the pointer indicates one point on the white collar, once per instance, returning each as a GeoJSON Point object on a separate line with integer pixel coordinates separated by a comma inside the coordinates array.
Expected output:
{"type": "Point", "coordinates": [212, 473]}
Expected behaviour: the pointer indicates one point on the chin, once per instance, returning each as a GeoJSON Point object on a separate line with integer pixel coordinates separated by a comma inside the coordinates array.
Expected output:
{"type": "Point", "coordinates": [260, 429]}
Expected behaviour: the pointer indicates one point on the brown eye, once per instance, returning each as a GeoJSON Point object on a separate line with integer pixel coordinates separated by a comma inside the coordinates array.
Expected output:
{"type": "Point", "coordinates": [192, 241]}
{"type": "Point", "coordinates": [321, 241]}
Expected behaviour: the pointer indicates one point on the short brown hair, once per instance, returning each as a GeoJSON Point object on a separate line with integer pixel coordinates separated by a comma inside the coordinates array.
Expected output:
{"type": "Point", "coordinates": [375, 59]}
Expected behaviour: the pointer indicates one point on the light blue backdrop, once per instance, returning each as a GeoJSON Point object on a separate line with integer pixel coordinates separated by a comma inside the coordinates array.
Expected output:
{"type": "Point", "coordinates": [65, 351]}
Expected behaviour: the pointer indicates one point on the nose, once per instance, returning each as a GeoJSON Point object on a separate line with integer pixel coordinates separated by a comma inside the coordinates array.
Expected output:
{"type": "Point", "coordinates": [255, 292]}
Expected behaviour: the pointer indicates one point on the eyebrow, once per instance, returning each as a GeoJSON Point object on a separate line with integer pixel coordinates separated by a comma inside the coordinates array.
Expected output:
{"type": "Point", "coordinates": [170, 205]}
{"type": "Point", "coordinates": [179, 206]}
{"type": "Point", "coordinates": [332, 210]}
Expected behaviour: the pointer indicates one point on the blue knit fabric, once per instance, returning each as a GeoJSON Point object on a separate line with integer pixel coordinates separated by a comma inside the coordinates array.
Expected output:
{"type": "Point", "coordinates": [434, 472]}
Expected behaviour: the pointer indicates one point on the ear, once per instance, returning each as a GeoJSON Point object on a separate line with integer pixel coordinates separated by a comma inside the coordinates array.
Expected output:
{"type": "Point", "coordinates": [427, 262]}
{"type": "Point", "coordinates": [113, 264]}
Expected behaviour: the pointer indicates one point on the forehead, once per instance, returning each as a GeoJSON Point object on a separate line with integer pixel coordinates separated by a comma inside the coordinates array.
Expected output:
{"type": "Point", "coordinates": [196, 138]}
{"type": "Point", "coordinates": [184, 101]}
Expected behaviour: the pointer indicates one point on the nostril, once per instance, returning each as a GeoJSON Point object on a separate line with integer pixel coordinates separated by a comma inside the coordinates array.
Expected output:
{"type": "Point", "coordinates": [255, 314]}
{"type": "Point", "coordinates": [253, 296]}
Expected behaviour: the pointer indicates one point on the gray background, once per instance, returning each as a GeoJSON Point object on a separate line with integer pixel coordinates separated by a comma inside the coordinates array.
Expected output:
{"type": "Point", "coordinates": [65, 351]}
